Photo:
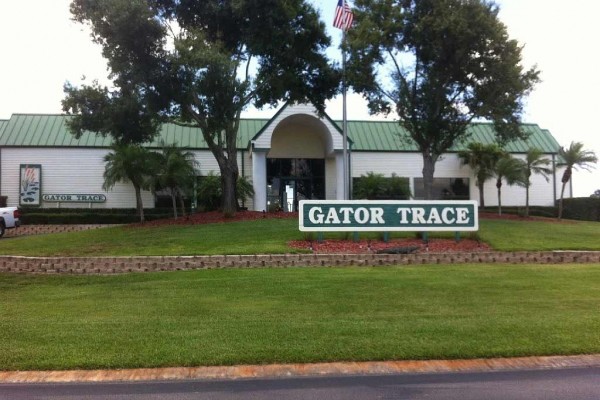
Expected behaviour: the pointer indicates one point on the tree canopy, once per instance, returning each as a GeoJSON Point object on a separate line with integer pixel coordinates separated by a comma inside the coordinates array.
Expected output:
{"type": "Point", "coordinates": [438, 64]}
{"type": "Point", "coordinates": [200, 63]}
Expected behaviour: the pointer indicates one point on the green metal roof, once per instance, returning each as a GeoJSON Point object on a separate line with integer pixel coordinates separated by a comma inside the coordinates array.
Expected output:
{"type": "Point", "coordinates": [391, 136]}
{"type": "Point", "coordinates": [35, 130]}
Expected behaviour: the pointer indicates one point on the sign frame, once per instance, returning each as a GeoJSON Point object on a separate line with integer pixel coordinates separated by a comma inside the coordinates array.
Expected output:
{"type": "Point", "coordinates": [472, 205]}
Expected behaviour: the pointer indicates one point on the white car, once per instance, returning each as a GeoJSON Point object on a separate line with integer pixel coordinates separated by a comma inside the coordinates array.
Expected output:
{"type": "Point", "coordinates": [9, 219]}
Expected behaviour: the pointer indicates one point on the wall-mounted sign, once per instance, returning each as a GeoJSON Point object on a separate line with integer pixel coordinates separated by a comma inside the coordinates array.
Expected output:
{"type": "Point", "coordinates": [387, 216]}
{"type": "Point", "coordinates": [30, 184]}
{"type": "Point", "coordinates": [75, 198]}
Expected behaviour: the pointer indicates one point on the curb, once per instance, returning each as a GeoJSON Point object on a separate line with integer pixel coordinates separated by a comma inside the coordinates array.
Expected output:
{"type": "Point", "coordinates": [302, 370]}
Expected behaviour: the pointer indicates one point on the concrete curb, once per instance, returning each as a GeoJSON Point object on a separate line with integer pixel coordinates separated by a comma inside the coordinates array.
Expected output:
{"type": "Point", "coordinates": [292, 370]}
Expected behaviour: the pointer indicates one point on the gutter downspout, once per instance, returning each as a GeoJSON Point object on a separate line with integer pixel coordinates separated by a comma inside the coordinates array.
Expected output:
{"type": "Point", "coordinates": [554, 179]}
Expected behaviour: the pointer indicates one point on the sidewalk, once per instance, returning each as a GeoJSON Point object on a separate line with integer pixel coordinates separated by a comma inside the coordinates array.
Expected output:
{"type": "Point", "coordinates": [291, 370]}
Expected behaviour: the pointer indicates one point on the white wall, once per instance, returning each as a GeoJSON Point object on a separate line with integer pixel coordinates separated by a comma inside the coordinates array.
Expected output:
{"type": "Point", "coordinates": [410, 165]}
{"type": "Point", "coordinates": [66, 171]}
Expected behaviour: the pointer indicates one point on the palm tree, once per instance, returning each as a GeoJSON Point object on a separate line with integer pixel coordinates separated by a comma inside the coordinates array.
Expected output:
{"type": "Point", "coordinates": [481, 158]}
{"type": "Point", "coordinates": [535, 163]}
{"type": "Point", "coordinates": [574, 157]}
{"type": "Point", "coordinates": [512, 171]}
{"type": "Point", "coordinates": [128, 163]}
{"type": "Point", "coordinates": [175, 171]}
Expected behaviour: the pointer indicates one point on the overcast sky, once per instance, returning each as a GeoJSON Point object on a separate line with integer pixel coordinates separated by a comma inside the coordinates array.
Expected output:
{"type": "Point", "coordinates": [42, 48]}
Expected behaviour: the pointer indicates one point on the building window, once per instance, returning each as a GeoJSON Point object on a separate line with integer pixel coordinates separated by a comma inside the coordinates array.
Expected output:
{"type": "Point", "coordinates": [444, 189]}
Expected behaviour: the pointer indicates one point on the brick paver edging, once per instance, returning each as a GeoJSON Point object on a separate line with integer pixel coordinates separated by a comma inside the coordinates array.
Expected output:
{"type": "Point", "coordinates": [117, 265]}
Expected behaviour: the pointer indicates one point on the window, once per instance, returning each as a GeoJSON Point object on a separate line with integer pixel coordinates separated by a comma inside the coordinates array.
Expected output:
{"type": "Point", "coordinates": [444, 189]}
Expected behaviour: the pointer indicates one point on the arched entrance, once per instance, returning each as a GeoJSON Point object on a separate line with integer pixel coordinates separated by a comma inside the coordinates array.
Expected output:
{"type": "Point", "coordinates": [296, 155]}
{"type": "Point", "coordinates": [296, 162]}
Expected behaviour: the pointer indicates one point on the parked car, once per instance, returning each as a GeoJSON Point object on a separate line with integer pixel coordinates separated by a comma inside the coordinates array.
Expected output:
{"type": "Point", "coordinates": [10, 218]}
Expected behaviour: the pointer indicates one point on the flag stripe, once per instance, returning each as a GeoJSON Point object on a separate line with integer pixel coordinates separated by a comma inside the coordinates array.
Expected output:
{"type": "Point", "coordinates": [343, 15]}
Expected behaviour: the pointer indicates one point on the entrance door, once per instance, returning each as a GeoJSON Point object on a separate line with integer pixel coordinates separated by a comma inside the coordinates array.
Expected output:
{"type": "Point", "coordinates": [291, 180]}
{"type": "Point", "coordinates": [293, 190]}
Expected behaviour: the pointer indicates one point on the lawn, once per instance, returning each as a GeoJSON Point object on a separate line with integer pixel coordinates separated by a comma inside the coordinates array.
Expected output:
{"type": "Point", "coordinates": [272, 235]}
{"type": "Point", "coordinates": [255, 316]}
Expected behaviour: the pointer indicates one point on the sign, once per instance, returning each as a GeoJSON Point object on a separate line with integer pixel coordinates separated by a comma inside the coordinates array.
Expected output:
{"type": "Point", "coordinates": [75, 198]}
{"type": "Point", "coordinates": [387, 216]}
{"type": "Point", "coordinates": [30, 184]}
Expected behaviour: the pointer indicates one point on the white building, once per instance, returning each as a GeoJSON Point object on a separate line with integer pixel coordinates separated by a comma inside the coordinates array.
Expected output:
{"type": "Point", "coordinates": [296, 154]}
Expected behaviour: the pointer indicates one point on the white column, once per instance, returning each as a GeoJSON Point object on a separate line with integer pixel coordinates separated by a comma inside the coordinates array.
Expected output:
{"type": "Point", "coordinates": [259, 180]}
{"type": "Point", "coordinates": [339, 176]}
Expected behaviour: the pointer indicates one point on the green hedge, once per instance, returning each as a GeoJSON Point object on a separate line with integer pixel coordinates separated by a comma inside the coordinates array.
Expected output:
{"type": "Point", "coordinates": [60, 216]}
{"type": "Point", "coordinates": [582, 208]}
{"type": "Point", "coordinates": [534, 211]}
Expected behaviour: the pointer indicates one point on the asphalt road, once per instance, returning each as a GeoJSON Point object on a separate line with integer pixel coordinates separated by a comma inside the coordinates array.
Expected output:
{"type": "Point", "coordinates": [572, 384]}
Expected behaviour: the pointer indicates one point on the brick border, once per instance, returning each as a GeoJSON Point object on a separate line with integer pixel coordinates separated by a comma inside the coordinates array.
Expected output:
{"type": "Point", "coordinates": [119, 265]}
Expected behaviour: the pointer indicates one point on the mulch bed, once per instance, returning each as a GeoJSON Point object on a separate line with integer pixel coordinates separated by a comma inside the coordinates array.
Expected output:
{"type": "Point", "coordinates": [373, 246]}
{"type": "Point", "coordinates": [348, 246]}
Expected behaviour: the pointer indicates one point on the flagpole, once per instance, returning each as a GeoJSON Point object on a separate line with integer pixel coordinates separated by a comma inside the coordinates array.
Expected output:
{"type": "Point", "coordinates": [344, 117]}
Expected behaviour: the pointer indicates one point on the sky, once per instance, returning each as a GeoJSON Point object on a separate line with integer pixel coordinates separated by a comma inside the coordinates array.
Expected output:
{"type": "Point", "coordinates": [42, 49]}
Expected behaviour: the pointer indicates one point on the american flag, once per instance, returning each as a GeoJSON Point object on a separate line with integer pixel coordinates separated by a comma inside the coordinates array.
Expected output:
{"type": "Point", "coordinates": [343, 16]}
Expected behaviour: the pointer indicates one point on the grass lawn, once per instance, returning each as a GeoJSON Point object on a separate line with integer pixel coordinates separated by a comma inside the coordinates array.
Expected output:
{"type": "Point", "coordinates": [220, 317]}
{"type": "Point", "coordinates": [271, 236]}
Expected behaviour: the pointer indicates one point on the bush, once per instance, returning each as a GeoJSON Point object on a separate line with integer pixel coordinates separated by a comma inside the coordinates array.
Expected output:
{"type": "Point", "coordinates": [582, 208]}
{"type": "Point", "coordinates": [377, 187]}
{"type": "Point", "coordinates": [59, 216]}
{"type": "Point", "coordinates": [210, 194]}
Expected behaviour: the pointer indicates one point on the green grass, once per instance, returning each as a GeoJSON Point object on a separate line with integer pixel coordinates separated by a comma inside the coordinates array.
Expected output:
{"type": "Point", "coordinates": [221, 317]}
{"type": "Point", "coordinates": [504, 235]}
{"type": "Point", "coordinates": [272, 236]}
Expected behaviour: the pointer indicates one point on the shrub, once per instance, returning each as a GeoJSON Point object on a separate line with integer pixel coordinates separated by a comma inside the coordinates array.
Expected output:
{"type": "Point", "coordinates": [582, 208]}
{"type": "Point", "coordinates": [59, 216]}
{"type": "Point", "coordinates": [210, 194]}
{"type": "Point", "coordinates": [375, 186]}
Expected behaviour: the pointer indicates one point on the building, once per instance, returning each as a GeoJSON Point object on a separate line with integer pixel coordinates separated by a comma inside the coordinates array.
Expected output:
{"type": "Point", "coordinates": [294, 155]}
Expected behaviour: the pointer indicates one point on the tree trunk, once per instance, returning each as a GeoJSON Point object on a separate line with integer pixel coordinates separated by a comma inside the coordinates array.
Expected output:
{"type": "Point", "coordinates": [428, 171]}
{"type": "Point", "coordinates": [499, 186]}
{"type": "Point", "coordinates": [181, 203]}
{"type": "Point", "coordinates": [173, 203]}
{"type": "Point", "coordinates": [138, 203]}
{"type": "Point", "coordinates": [481, 200]}
{"type": "Point", "coordinates": [560, 202]}
{"type": "Point", "coordinates": [229, 176]}
{"type": "Point", "coordinates": [565, 179]}
{"type": "Point", "coordinates": [527, 201]}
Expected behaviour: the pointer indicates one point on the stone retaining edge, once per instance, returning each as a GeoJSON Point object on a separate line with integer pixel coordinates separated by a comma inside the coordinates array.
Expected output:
{"type": "Point", "coordinates": [119, 265]}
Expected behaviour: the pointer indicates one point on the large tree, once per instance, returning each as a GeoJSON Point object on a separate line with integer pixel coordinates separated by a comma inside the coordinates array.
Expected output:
{"type": "Point", "coordinates": [202, 63]}
{"type": "Point", "coordinates": [438, 64]}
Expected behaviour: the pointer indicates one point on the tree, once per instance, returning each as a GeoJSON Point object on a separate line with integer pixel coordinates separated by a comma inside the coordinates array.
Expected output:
{"type": "Point", "coordinates": [201, 63]}
{"type": "Point", "coordinates": [512, 171]}
{"type": "Point", "coordinates": [596, 194]}
{"type": "Point", "coordinates": [439, 64]}
{"type": "Point", "coordinates": [535, 163]}
{"type": "Point", "coordinates": [129, 163]}
{"type": "Point", "coordinates": [482, 159]}
{"type": "Point", "coordinates": [176, 172]}
{"type": "Point", "coordinates": [573, 157]}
